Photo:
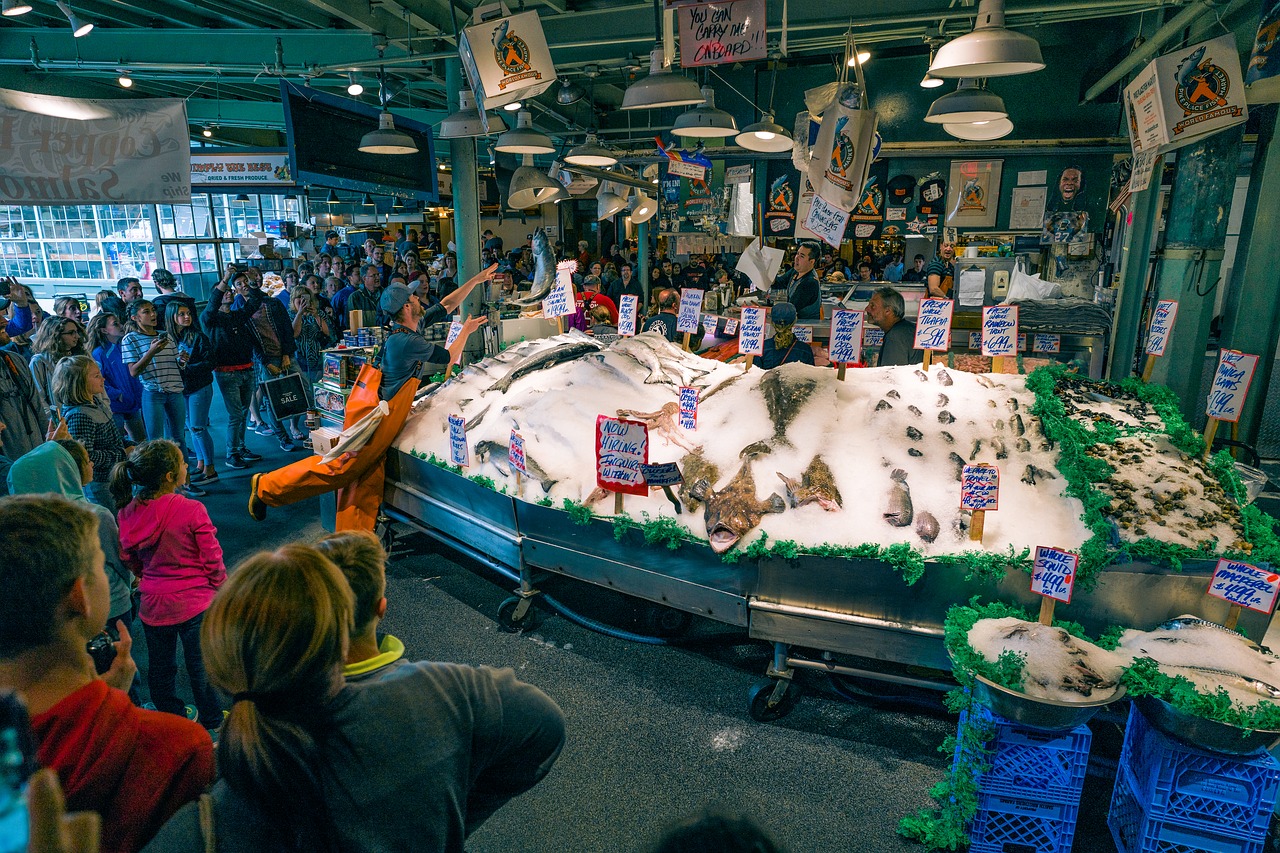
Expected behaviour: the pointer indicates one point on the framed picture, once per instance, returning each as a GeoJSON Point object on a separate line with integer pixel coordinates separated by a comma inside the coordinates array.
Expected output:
{"type": "Point", "coordinates": [973, 193]}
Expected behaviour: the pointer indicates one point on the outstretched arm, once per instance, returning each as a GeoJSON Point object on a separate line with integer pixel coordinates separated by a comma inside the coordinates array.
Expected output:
{"type": "Point", "coordinates": [453, 300]}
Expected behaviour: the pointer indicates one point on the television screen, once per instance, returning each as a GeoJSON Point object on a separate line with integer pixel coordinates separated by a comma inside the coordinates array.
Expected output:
{"type": "Point", "coordinates": [324, 147]}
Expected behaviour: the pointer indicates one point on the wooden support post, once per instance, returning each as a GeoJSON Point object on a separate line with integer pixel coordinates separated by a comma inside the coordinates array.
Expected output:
{"type": "Point", "coordinates": [1233, 617]}
{"type": "Point", "coordinates": [1046, 610]}
{"type": "Point", "coordinates": [750, 360]}
{"type": "Point", "coordinates": [840, 372]}
{"type": "Point", "coordinates": [997, 364]}
{"type": "Point", "coordinates": [1210, 429]}
{"type": "Point", "coordinates": [617, 503]}
{"type": "Point", "coordinates": [976, 524]}
{"type": "Point", "coordinates": [687, 336]}
{"type": "Point", "coordinates": [519, 485]}
{"type": "Point", "coordinates": [928, 358]}
{"type": "Point", "coordinates": [1148, 367]}
{"type": "Point", "coordinates": [560, 324]}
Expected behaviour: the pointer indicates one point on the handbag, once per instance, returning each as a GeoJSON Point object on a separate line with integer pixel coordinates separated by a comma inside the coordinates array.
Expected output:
{"type": "Point", "coordinates": [286, 395]}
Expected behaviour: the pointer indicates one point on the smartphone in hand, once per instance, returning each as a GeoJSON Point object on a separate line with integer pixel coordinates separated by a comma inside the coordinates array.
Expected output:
{"type": "Point", "coordinates": [17, 763]}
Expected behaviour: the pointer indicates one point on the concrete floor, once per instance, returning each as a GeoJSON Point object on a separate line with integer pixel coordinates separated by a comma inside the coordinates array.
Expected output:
{"type": "Point", "coordinates": [656, 732]}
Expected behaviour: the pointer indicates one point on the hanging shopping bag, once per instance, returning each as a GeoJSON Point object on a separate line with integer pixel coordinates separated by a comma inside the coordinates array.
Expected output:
{"type": "Point", "coordinates": [286, 395]}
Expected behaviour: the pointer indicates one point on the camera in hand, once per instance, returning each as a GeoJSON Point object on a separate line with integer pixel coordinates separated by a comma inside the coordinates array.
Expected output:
{"type": "Point", "coordinates": [103, 652]}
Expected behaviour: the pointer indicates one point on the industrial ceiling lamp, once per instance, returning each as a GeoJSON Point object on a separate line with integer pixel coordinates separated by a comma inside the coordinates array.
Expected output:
{"type": "Point", "coordinates": [970, 102]}
{"type": "Point", "coordinates": [570, 92]}
{"type": "Point", "coordinates": [643, 208]}
{"type": "Point", "coordinates": [397, 203]}
{"type": "Point", "coordinates": [990, 50]}
{"type": "Point", "coordinates": [523, 139]}
{"type": "Point", "coordinates": [386, 139]}
{"type": "Point", "coordinates": [14, 8]}
{"type": "Point", "coordinates": [242, 197]}
{"type": "Point", "coordinates": [858, 58]}
{"type": "Point", "coordinates": [126, 82]}
{"type": "Point", "coordinates": [79, 28]}
{"type": "Point", "coordinates": [765, 136]}
{"type": "Point", "coordinates": [706, 121]}
{"type": "Point", "coordinates": [332, 199]}
{"type": "Point", "coordinates": [608, 203]}
{"type": "Point", "coordinates": [928, 81]}
{"type": "Point", "coordinates": [590, 153]}
{"type": "Point", "coordinates": [513, 107]}
{"type": "Point", "coordinates": [206, 132]}
{"type": "Point", "coordinates": [980, 131]}
{"type": "Point", "coordinates": [661, 88]}
{"type": "Point", "coordinates": [531, 187]}
{"type": "Point", "coordinates": [354, 86]}
{"type": "Point", "coordinates": [466, 121]}
{"type": "Point", "coordinates": [367, 200]}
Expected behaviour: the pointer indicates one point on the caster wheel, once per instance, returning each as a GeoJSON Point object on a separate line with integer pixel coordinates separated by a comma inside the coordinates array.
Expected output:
{"type": "Point", "coordinates": [659, 621]}
{"type": "Point", "coordinates": [760, 709]}
{"type": "Point", "coordinates": [507, 619]}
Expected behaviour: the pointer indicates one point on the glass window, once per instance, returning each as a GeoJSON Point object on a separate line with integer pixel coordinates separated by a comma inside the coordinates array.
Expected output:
{"type": "Point", "coordinates": [236, 218]}
{"type": "Point", "coordinates": [186, 220]}
{"type": "Point", "coordinates": [190, 258]}
{"type": "Point", "coordinates": [67, 222]}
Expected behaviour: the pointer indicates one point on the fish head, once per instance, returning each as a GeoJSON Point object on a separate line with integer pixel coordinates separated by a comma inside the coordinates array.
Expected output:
{"type": "Point", "coordinates": [734, 511]}
{"type": "Point", "coordinates": [540, 244]}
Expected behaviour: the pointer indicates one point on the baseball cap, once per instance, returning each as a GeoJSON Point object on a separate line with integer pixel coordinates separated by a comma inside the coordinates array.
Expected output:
{"type": "Point", "coordinates": [784, 314]}
{"type": "Point", "coordinates": [394, 297]}
{"type": "Point", "coordinates": [902, 190]}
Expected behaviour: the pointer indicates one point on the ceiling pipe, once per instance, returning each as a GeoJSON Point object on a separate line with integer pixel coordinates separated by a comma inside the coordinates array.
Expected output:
{"type": "Point", "coordinates": [1148, 49]}
{"type": "Point", "coordinates": [613, 177]}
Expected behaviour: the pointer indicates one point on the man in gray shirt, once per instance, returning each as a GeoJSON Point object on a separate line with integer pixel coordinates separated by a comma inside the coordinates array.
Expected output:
{"type": "Point", "coordinates": [885, 310]}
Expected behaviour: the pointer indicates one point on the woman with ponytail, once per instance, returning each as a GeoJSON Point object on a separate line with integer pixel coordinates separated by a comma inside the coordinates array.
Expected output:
{"type": "Point", "coordinates": [308, 763]}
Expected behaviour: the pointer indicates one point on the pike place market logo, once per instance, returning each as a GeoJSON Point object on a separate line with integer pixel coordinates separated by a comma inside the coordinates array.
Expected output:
{"type": "Point", "coordinates": [842, 150]}
{"type": "Point", "coordinates": [781, 196]}
{"type": "Point", "coordinates": [512, 55]}
{"type": "Point", "coordinates": [972, 196]}
{"type": "Point", "coordinates": [1201, 91]}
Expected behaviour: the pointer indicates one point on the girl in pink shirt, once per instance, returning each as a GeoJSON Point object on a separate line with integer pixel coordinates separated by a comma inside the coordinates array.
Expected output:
{"type": "Point", "coordinates": [168, 541]}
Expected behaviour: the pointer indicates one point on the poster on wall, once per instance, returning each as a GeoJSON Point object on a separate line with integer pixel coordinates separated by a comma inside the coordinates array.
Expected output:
{"type": "Point", "coordinates": [781, 197]}
{"type": "Point", "coordinates": [974, 193]}
{"type": "Point", "coordinates": [1066, 219]}
{"type": "Point", "coordinates": [1262, 77]}
{"type": "Point", "coordinates": [1026, 212]}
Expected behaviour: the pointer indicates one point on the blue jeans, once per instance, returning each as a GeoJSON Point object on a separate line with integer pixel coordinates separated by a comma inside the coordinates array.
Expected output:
{"type": "Point", "coordinates": [162, 670]}
{"type": "Point", "coordinates": [236, 388]}
{"type": "Point", "coordinates": [166, 415]}
{"type": "Point", "coordinates": [198, 422]}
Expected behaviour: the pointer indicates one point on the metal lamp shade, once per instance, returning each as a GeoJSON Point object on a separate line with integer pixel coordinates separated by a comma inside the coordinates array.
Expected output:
{"type": "Point", "coordinates": [608, 202]}
{"type": "Point", "coordinates": [982, 131]}
{"type": "Point", "coordinates": [661, 88]}
{"type": "Point", "coordinates": [467, 121]}
{"type": "Point", "coordinates": [332, 198]}
{"type": "Point", "coordinates": [531, 187]}
{"type": "Point", "coordinates": [967, 104]}
{"type": "Point", "coordinates": [643, 208]}
{"type": "Point", "coordinates": [386, 139]}
{"type": "Point", "coordinates": [569, 93]}
{"type": "Point", "coordinates": [765, 136]}
{"type": "Point", "coordinates": [990, 50]}
{"type": "Point", "coordinates": [590, 153]}
{"type": "Point", "coordinates": [523, 139]}
{"type": "Point", "coordinates": [706, 121]}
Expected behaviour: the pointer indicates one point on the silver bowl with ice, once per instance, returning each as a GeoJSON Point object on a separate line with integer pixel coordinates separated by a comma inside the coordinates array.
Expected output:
{"type": "Point", "coordinates": [1049, 714]}
{"type": "Point", "coordinates": [1203, 733]}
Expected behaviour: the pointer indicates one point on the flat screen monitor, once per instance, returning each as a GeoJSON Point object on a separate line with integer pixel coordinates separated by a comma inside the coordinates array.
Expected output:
{"type": "Point", "coordinates": [324, 147]}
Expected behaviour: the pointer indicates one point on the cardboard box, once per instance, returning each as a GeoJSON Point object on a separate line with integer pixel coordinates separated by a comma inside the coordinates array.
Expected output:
{"type": "Point", "coordinates": [1185, 95]}
{"type": "Point", "coordinates": [506, 58]}
{"type": "Point", "coordinates": [324, 439]}
{"type": "Point", "coordinates": [341, 367]}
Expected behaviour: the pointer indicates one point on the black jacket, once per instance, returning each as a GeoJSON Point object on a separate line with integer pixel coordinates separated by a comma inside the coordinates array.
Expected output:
{"type": "Point", "coordinates": [231, 335]}
{"type": "Point", "coordinates": [198, 371]}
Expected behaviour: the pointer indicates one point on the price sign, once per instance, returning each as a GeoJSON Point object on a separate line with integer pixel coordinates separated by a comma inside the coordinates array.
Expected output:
{"type": "Point", "coordinates": [515, 451]}
{"type": "Point", "coordinates": [975, 340]}
{"type": "Point", "coordinates": [1161, 326]}
{"type": "Point", "coordinates": [664, 474]}
{"type": "Point", "coordinates": [933, 324]}
{"type": "Point", "coordinates": [1054, 574]}
{"type": "Point", "coordinates": [690, 310]}
{"type": "Point", "coordinates": [455, 329]}
{"type": "Point", "coordinates": [1022, 343]}
{"type": "Point", "coordinates": [688, 408]}
{"type": "Point", "coordinates": [730, 328]}
{"type": "Point", "coordinates": [872, 336]}
{"type": "Point", "coordinates": [980, 488]}
{"type": "Point", "coordinates": [827, 221]}
{"type": "Point", "coordinates": [738, 174]}
{"type": "Point", "coordinates": [458, 440]}
{"type": "Point", "coordinates": [1046, 343]}
{"type": "Point", "coordinates": [560, 302]}
{"type": "Point", "coordinates": [622, 446]}
{"type": "Point", "coordinates": [1230, 385]}
{"type": "Point", "coordinates": [628, 309]}
{"type": "Point", "coordinates": [709, 322]}
{"type": "Point", "coordinates": [999, 330]}
{"type": "Point", "coordinates": [846, 337]}
{"type": "Point", "coordinates": [751, 338]}
{"type": "Point", "coordinates": [803, 334]}
{"type": "Point", "coordinates": [1245, 585]}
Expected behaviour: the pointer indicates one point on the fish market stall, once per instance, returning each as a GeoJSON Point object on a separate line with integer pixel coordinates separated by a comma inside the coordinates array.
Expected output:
{"type": "Point", "coordinates": [818, 514]}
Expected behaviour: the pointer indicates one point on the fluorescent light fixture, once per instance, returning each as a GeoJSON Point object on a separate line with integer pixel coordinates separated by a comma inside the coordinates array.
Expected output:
{"type": "Point", "coordinates": [466, 121]}
{"type": "Point", "coordinates": [523, 139]}
{"type": "Point", "coordinates": [590, 153]}
{"type": "Point", "coordinates": [512, 107]}
{"type": "Point", "coordinates": [125, 80]}
{"type": "Point", "coordinates": [980, 131]}
{"type": "Point", "coordinates": [861, 57]}
{"type": "Point", "coordinates": [354, 86]}
{"type": "Point", "coordinates": [706, 121]}
{"type": "Point", "coordinates": [970, 102]}
{"type": "Point", "coordinates": [386, 139]}
{"type": "Point", "coordinates": [643, 208]}
{"type": "Point", "coordinates": [14, 8]}
{"type": "Point", "coordinates": [765, 136]}
{"type": "Point", "coordinates": [79, 28]}
{"type": "Point", "coordinates": [990, 50]}
{"type": "Point", "coordinates": [531, 187]}
{"type": "Point", "coordinates": [569, 93]}
{"type": "Point", "coordinates": [661, 88]}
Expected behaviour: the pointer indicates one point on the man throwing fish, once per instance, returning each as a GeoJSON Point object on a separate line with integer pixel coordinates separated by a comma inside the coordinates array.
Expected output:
{"type": "Point", "coordinates": [885, 310]}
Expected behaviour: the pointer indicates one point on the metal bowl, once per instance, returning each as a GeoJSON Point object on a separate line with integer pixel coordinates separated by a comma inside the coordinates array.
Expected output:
{"type": "Point", "coordinates": [1047, 714]}
{"type": "Point", "coordinates": [1202, 733]}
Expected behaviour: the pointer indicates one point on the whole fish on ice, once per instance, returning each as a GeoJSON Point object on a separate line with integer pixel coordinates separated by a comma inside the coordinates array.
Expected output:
{"type": "Point", "coordinates": [816, 485]}
{"type": "Point", "coordinates": [899, 513]}
{"type": "Point", "coordinates": [734, 511]}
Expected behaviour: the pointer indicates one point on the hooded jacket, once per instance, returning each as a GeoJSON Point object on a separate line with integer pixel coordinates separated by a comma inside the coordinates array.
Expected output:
{"type": "Point", "coordinates": [50, 468]}
{"type": "Point", "coordinates": [133, 767]}
{"type": "Point", "coordinates": [123, 389]}
{"type": "Point", "coordinates": [170, 543]}
{"type": "Point", "coordinates": [231, 334]}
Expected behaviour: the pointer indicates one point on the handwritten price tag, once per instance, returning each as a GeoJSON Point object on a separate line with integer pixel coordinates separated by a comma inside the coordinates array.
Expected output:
{"type": "Point", "coordinates": [975, 340]}
{"type": "Point", "coordinates": [730, 327]}
{"type": "Point", "coordinates": [692, 171]}
{"type": "Point", "coordinates": [872, 336]}
{"type": "Point", "coordinates": [1046, 343]}
{"type": "Point", "coordinates": [1161, 326]}
{"type": "Point", "coordinates": [846, 337]}
{"type": "Point", "coordinates": [980, 488]}
{"type": "Point", "coordinates": [688, 408]}
{"type": "Point", "coordinates": [622, 446]}
{"type": "Point", "coordinates": [690, 310]}
{"type": "Point", "coordinates": [1054, 574]}
{"type": "Point", "coordinates": [515, 451]}
{"type": "Point", "coordinates": [458, 440]}
{"type": "Point", "coordinates": [663, 474]}
{"type": "Point", "coordinates": [627, 312]}
{"type": "Point", "coordinates": [751, 338]}
{"type": "Point", "coordinates": [933, 324]}
{"type": "Point", "coordinates": [803, 334]}
{"type": "Point", "coordinates": [455, 329]}
{"type": "Point", "coordinates": [999, 330]}
{"type": "Point", "coordinates": [1246, 585]}
{"type": "Point", "coordinates": [826, 221]}
{"type": "Point", "coordinates": [1230, 385]}
{"type": "Point", "coordinates": [559, 302]}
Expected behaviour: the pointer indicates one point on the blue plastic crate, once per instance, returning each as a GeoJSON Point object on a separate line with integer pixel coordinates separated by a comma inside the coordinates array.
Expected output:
{"type": "Point", "coordinates": [1006, 824]}
{"type": "Point", "coordinates": [1137, 831]}
{"type": "Point", "coordinates": [1026, 760]}
{"type": "Point", "coordinates": [1174, 781]}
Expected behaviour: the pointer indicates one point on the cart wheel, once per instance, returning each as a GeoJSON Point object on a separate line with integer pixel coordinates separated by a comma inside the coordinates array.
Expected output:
{"type": "Point", "coordinates": [509, 621]}
{"type": "Point", "coordinates": [665, 622]}
{"type": "Point", "coordinates": [385, 533]}
{"type": "Point", "coordinates": [758, 701]}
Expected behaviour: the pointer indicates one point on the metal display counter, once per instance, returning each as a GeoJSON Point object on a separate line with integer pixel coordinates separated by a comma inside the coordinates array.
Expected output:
{"type": "Point", "coordinates": [834, 606]}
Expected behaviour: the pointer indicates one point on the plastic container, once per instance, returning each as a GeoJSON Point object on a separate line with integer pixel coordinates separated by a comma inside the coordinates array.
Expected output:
{"type": "Point", "coordinates": [1005, 824]}
{"type": "Point", "coordinates": [1025, 761]}
{"type": "Point", "coordinates": [1254, 480]}
{"type": "Point", "coordinates": [1137, 831]}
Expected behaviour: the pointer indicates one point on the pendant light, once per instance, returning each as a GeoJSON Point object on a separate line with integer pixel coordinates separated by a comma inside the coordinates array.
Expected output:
{"type": "Point", "coordinates": [569, 92]}
{"type": "Point", "coordinates": [661, 88]}
{"type": "Point", "coordinates": [125, 81]}
{"type": "Point", "coordinates": [611, 199]}
{"type": "Point", "coordinates": [643, 208]}
{"type": "Point", "coordinates": [590, 153]}
{"type": "Point", "coordinates": [354, 87]}
{"type": "Point", "coordinates": [980, 131]}
{"type": "Point", "coordinates": [706, 121]}
{"type": "Point", "coordinates": [466, 121]}
{"type": "Point", "coordinates": [523, 139]}
{"type": "Point", "coordinates": [990, 50]}
{"type": "Point", "coordinates": [928, 81]}
{"type": "Point", "coordinates": [242, 197]}
{"type": "Point", "coordinates": [332, 198]}
{"type": "Point", "coordinates": [531, 187]}
{"type": "Point", "coordinates": [386, 139]}
{"type": "Point", "coordinates": [366, 200]}
{"type": "Point", "coordinates": [79, 28]}
{"type": "Point", "coordinates": [14, 8]}
{"type": "Point", "coordinates": [970, 102]}
{"type": "Point", "coordinates": [766, 135]}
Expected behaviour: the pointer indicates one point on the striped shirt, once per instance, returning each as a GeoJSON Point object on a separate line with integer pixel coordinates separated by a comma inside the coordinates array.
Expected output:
{"type": "Point", "coordinates": [162, 374]}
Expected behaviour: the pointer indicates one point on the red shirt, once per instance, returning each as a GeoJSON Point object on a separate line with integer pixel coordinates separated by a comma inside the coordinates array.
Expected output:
{"type": "Point", "coordinates": [594, 298]}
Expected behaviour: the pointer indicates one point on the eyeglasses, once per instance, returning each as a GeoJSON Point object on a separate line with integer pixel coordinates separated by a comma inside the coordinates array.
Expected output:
{"type": "Point", "coordinates": [71, 331]}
